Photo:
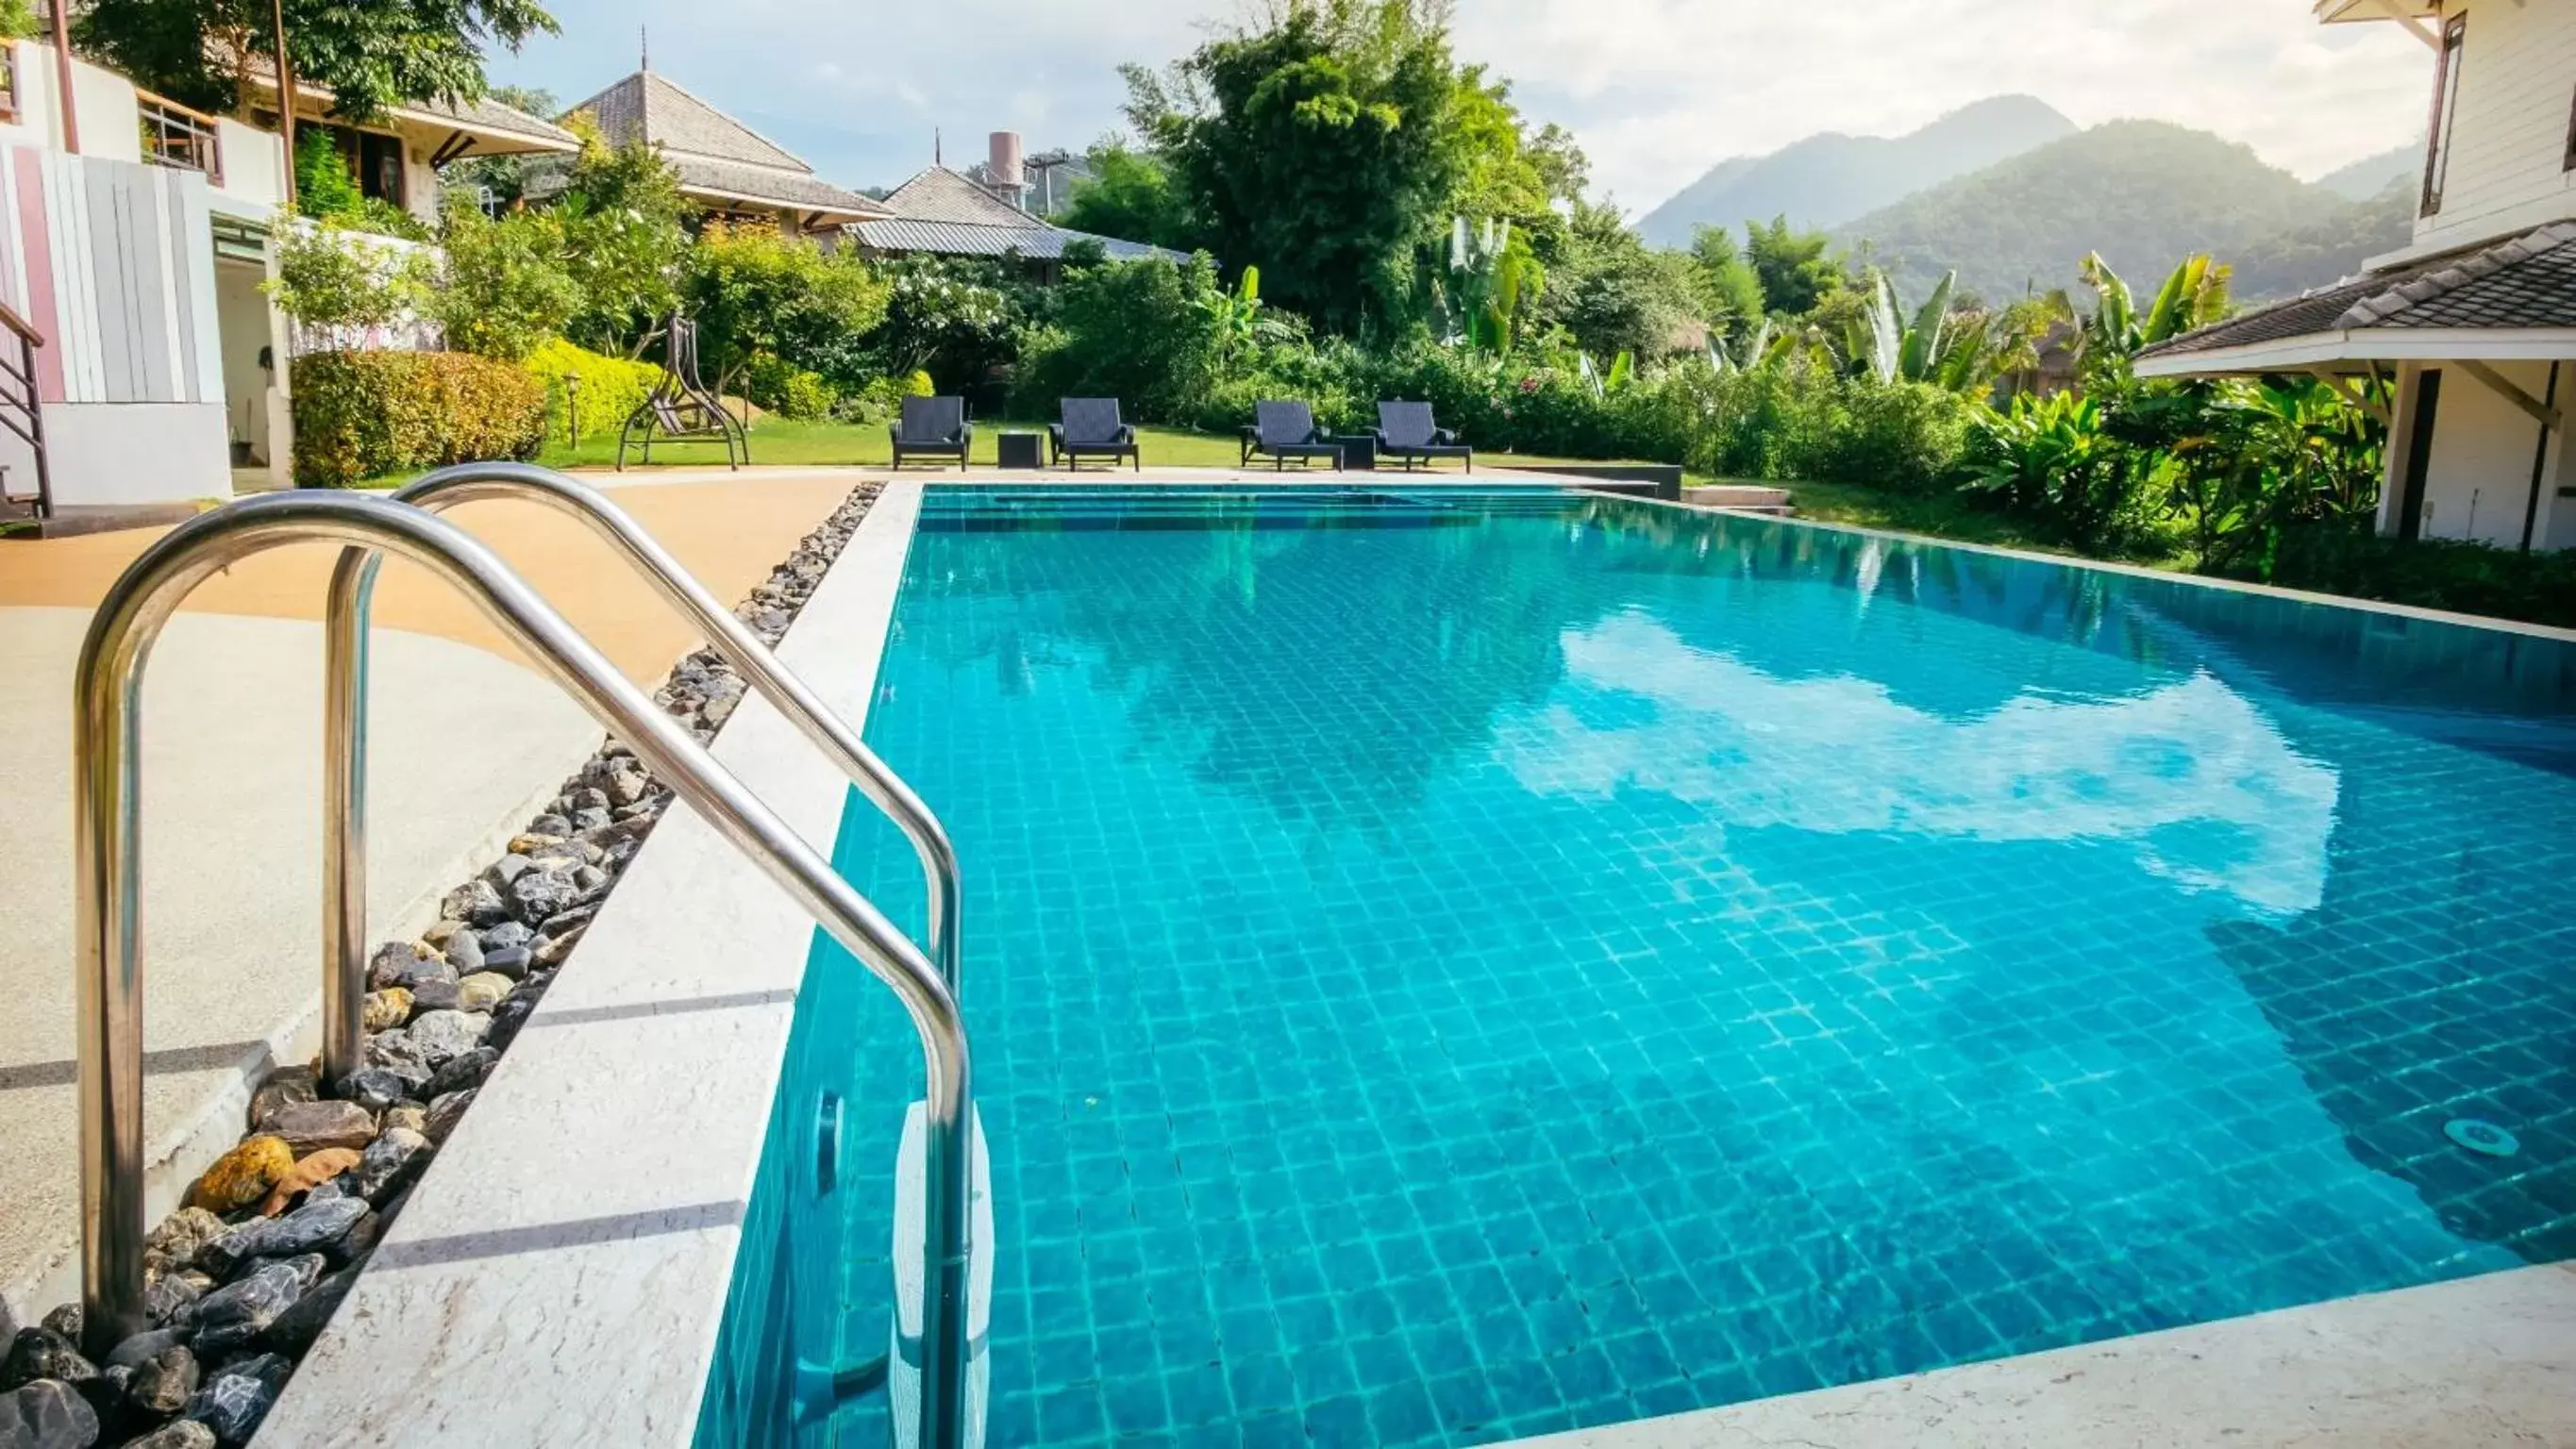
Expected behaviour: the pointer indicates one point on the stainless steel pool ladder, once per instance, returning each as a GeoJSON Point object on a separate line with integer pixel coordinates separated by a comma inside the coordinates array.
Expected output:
{"type": "Point", "coordinates": [344, 851]}
{"type": "Point", "coordinates": [107, 739]}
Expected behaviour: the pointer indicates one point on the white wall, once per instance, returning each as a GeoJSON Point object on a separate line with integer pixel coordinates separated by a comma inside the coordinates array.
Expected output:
{"type": "Point", "coordinates": [254, 164]}
{"type": "Point", "coordinates": [118, 453]}
{"type": "Point", "coordinates": [2478, 483]}
{"type": "Point", "coordinates": [102, 104]}
{"type": "Point", "coordinates": [2508, 169]}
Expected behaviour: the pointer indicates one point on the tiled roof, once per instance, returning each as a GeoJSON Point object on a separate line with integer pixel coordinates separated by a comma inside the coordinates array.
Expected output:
{"type": "Point", "coordinates": [487, 114]}
{"type": "Point", "coordinates": [726, 181]}
{"type": "Point", "coordinates": [972, 239]}
{"type": "Point", "coordinates": [2528, 282]}
{"type": "Point", "coordinates": [654, 109]}
{"type": "Point", "coordinates": [940, 194]}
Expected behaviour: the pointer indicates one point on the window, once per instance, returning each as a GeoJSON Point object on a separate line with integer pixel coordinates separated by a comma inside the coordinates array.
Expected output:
{"type": "Point", "coordinates": [2446, 109]}
{"type": "Point", "coordinates": [2571, 139]}
{"type": "Point", "coordinates": [380, 166]}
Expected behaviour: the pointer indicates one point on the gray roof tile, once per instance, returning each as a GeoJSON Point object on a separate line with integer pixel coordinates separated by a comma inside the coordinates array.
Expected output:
{"type": "Point", "coordinates": [656, 110]}
{"type": "Point", "coordinates": [940, 194]}
{"type": "Point", "coordinates": [972, 239]}
{"type": "Point", "coordinates": [2527, 282]}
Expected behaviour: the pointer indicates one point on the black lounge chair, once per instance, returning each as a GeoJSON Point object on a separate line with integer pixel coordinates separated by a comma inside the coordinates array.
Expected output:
{"type": "Point", "coordinates": [1091, 428]}
{"type": "Point", "coordinates": [1284, 430]}
{"type": "Point", "coordinates": [933, 427]}
{"type": "Point", "coordinates": [1405, 430]}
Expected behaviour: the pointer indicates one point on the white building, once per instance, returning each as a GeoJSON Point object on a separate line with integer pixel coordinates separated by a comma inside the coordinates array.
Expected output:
{"type": "Point", "coordinates": [137, 258]}
{"type": "Point", "coordinates": [2475, 320]}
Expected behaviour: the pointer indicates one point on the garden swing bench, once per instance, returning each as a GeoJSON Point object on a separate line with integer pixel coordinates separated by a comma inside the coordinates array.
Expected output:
{"type": "Point", "coordinates": [681, 409]}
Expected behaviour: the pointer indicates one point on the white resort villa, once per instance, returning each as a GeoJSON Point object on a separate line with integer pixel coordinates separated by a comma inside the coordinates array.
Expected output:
{"type": "Point", "coordinates": [2475, 321]}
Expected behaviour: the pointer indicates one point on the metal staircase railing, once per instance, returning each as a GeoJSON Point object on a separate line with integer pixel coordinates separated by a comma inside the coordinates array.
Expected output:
{"type": "Point", "coordinates": [22, 403]}
{"type": "Point", "coordinates": [345, 633]}
{"type": "Point", "coordinates": [107, 848]}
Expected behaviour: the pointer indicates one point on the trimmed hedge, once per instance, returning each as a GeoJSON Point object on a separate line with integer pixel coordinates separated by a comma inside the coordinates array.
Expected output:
{"type": "Point", "coordinates": [612, 388]}
{"type": "Point", "coordinates": [2467, 578]}
{"type": "Point", "coordinates": [361, 415]}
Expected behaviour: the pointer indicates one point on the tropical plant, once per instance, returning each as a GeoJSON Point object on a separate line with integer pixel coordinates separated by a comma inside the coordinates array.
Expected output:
{"type": "Point", "coordinates": [2193, 296]}
{"type": "Point", "coordinates": [1935, 346]}
{"type": "Point", "coordinates": [1492, 278]}
{"type": "Point", "coordinates": [1795, 268]}
{"type": "Point", "coordinates": [947, 318]}
{"type": "Point", "coordinates": [2051, 461]}
{"type": "Point", "coordinates": [2262, 457]}
{"type": "Point", "coordinates": [1333, 139]}
{"type": "Point", "coordinates": [1729, 290]}
{"type": "Point", "coordinates": [1130, 195]}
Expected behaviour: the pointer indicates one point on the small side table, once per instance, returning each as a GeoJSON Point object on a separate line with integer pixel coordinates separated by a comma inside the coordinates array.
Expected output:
{"type": "Point", "coordinates": [1025, 451]}
{"type": "Point", "coordinates": [1359, 452]}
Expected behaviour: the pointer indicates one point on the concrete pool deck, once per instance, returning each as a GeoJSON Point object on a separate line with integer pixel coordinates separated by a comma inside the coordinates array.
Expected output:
{"type": "Point", "coordinates": [564, 1275]}
{"type": "Point", "coordinates": [233, 799]}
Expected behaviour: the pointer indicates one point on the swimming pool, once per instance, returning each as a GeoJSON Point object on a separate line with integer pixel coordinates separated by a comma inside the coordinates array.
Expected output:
{"type": "Point", "coordinates": [1453, 965]}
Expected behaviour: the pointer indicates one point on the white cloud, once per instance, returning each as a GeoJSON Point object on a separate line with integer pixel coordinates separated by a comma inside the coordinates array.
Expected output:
{"type": "Point", "coordinates": [1658, 90]}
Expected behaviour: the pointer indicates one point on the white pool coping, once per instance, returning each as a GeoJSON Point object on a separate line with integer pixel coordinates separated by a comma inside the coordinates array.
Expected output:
{"type": "Point", "coordinates": [561, 1272]}
{"type": "Point", "coordinates": [2481, 1361]}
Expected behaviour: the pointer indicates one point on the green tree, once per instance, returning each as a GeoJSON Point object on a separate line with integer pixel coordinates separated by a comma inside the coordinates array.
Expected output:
{"type": "Point", "coordinates": [1613, 295]}
{"type": "Point", "coordinates": [756, 292]}
{"type": "Point", "coordinates": [507, 286]}
{"type": "Point", "coordinates": [369, 56]}
{"type": "Point", "coordinates": [1728, 289]}
{"type": "Point", "coordinates": [1794, 267]}
{"type": "Point", "coordinates": [1332, 144]}
{"type": "Point", "coordinates": [1141, 331]}
{"type": "Point", "coordinates": [625, 237]}
{"type": "Point", "coordinates": [1130, 196]}
{"type": "Point", "coordinates": [948, 318]}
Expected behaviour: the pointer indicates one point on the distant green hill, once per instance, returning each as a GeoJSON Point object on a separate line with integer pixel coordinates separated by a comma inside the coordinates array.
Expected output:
{"type": "Point", "coordinates": [2145, 195]}
{"type": "Point", "coordinates": [2363, 180]}
{"type": "Point", "coordinates": [1828, 179]}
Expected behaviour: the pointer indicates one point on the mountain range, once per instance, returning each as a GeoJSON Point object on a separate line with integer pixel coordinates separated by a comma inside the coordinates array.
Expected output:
{"type": "Point", "coordinates": [2012, 195]}
{"type": "Point", "coordinates": [1826, 180]}
{"type": "Point", "coordinates": [2145, 194]}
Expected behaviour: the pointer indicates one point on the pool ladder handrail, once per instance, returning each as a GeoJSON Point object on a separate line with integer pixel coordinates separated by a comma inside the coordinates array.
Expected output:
{"type": "Point", "coordinates": [345, 635]}
{"type": "Point", "coordinates": [107, 760]}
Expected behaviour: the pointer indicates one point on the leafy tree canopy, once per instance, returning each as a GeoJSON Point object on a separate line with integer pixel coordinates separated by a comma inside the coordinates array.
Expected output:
{"type": "Point", "coordinates": [1613, 295]}
{"type": "Point", "coordinates": [1794, 266]}
{"type": "Point", "coordinates": [1130, 196]}
{"type": "Point", "coordinates": [369, 55]}
{"type": "Point", "coordinates": [1723, 281]}
{"type": "Point", "coordinates": [1331, 143]}
{"type": "Point", "coordinates": [756, 293]}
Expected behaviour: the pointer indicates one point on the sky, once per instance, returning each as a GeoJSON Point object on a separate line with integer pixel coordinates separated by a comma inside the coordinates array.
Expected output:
{"type": "Point", "coordinates": [1656, 90]}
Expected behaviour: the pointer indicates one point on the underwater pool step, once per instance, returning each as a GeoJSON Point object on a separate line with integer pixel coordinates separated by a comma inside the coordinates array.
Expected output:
{"type": "Point", "coordinates": [911, 1282]}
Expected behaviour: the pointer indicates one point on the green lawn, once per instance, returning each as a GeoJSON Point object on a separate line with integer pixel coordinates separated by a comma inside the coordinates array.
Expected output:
{"type": "Point", "coordinates": [779, 441]}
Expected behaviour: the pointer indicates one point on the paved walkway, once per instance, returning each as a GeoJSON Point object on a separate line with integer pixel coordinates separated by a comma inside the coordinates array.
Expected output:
{"type": "Point", "coordinates": [467, 741]}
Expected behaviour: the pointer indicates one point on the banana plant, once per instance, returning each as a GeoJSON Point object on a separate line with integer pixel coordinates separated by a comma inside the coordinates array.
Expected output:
{"type": "Point", "coordinates": [1604, 385]}
{"type": "Point", "coordinates": [2194, 296]}
{"type": "Point", "coordinates": [1763, 347]}
{"type": "Point", "coordinates": [1493, 278]}
{"type": "Point", "coordinates": [1234, 318]}
{"type": "Point", "coordinates": [1932, 348]}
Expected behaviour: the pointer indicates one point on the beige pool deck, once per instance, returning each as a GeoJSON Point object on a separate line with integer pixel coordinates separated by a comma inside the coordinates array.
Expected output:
{"type": "Point", "coordinates": [468, 741]}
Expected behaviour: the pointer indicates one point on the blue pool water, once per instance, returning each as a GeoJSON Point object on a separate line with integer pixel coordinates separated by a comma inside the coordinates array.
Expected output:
{"type": "Point", "coordinates": [1448, 970]}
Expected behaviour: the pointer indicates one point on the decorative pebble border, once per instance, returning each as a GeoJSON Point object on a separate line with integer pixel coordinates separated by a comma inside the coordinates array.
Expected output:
{"type": "Point", "coordinates": [243, 1277]}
